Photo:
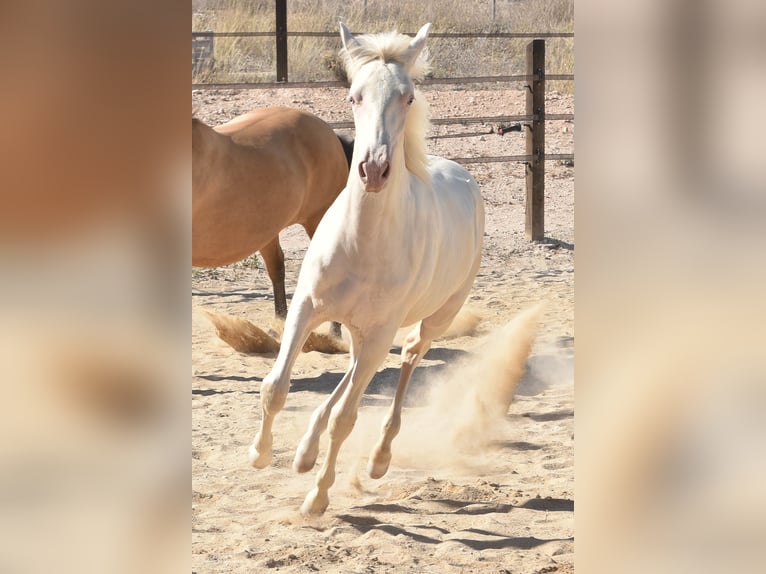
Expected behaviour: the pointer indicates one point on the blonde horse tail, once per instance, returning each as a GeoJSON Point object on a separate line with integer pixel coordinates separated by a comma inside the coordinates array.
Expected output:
{"type": "Point", "coordinates": [244, 337]}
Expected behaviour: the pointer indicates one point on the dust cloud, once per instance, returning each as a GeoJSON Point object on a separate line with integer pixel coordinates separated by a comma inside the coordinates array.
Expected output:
{"type": "Point", "coordinates": [464, 406]}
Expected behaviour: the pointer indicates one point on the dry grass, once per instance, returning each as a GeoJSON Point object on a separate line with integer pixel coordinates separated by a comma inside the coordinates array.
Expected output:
{"type": "Point", "coordinates": [309, 58]}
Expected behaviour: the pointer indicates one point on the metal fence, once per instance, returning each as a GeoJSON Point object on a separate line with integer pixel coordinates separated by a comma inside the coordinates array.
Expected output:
{"type": "Point", "coordinates": [532, 122]}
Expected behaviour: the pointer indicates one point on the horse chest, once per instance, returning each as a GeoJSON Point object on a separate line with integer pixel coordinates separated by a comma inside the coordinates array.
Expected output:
{"type": "Point", "coordinates": [367, 297]}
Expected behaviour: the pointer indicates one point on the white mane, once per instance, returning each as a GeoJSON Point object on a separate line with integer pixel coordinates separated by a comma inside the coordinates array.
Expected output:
{"type": "Point", "coordinates": [418, 122]}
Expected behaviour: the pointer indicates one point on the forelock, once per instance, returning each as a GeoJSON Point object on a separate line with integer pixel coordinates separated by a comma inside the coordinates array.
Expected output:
{"type": "Point", "coordinates": [389, 47]}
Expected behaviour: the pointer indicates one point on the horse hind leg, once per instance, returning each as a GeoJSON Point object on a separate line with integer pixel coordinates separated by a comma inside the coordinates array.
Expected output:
{"type": "Point", "coordinates": [274, 258]}
{"type": "Point", "coordinates": [415, 346]}
{"type": "Point", "coordinates": [276, 384]}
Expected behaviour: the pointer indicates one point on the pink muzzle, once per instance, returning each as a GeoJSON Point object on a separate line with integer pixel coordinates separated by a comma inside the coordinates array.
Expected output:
{"type": "Point", "coordinates": [374, 174]}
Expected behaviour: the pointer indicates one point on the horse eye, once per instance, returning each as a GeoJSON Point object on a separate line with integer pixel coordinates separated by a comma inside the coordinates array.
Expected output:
{"type": "Point", "coordinates": [412, 99]}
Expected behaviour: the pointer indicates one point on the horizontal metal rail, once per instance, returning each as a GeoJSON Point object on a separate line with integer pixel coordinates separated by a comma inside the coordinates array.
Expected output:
{"type": "Point", "coordinates": [342, 125]}
{"type": "Point", "coordinates": [461, 135]}
{"type": "Point", "coordinates": [271, 34]}
{"type": "Point", "coordinates": [488, 79]}
{"type": "Point", "coordinates": [267, 85]}
{"type": "Point", "coordinates": [513, 158]}
{"type": "Point", "coordinates": [338, 84]}
{"type": "Point", "coordinates": [497, 119]}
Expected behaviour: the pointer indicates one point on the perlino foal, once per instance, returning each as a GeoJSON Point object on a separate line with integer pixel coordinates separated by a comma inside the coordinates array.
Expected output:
{"type": "Point", "coordinates": [401, 244]}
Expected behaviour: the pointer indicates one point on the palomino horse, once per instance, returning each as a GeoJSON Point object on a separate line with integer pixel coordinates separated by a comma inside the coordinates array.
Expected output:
{"type": "Point", "coordinates": [257, 174]}
{"type": "Point", "coordinates": [401, 244]}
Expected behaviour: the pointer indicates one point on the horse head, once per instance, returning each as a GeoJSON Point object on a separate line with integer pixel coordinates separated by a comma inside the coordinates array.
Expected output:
{"type": "Point", "coordinates": [382, 92]}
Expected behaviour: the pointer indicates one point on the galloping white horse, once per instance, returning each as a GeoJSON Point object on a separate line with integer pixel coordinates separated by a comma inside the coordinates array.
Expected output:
{"type": "Point", "coordinates": [401, 244]}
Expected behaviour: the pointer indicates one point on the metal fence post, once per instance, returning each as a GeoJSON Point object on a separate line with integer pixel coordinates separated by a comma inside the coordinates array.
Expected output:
{"type": "Point", "coordinates": [535, 176]}
{"type": "Point", "coordinates": [203, 48]}
{"type": "Point", "coordinates": [281, 10]}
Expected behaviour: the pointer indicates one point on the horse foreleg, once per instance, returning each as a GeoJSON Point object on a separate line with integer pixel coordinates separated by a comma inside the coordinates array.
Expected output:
{"type": "Point", "coordinates": [274, 258]}
{"type": "Point", "coordinates": [301, 320]}
{"type": "Point", "coordinates": [343, 417]}
{"type": "Point", "coordinates": [308, 448]}
{"type": "Point", "coordinates": [310, 226]}
{"type": "Point", "coordinates": [415, 346]}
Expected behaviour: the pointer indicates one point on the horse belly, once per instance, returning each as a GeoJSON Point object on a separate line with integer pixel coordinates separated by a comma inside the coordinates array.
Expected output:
{"type": "Point", "coordinates": [240, 213]}
{"type": "Point", "coordinates": [444, 284]}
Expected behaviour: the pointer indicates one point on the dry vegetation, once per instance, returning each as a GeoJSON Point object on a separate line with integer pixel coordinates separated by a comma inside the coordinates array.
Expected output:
{"type": "Point", "coordinates": [252, 59]}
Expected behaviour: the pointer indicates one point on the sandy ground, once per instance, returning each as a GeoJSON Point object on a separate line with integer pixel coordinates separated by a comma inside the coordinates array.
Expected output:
{"type": "Point", "coordinates": [506, 507]}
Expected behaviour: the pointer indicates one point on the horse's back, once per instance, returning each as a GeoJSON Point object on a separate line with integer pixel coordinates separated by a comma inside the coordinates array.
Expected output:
{"type": "Point", "coordinates": [265, 170]}
{"type": "Point", "coordinates": [271, 122]}
{"type": "Point", "coordinates": [305, 144]}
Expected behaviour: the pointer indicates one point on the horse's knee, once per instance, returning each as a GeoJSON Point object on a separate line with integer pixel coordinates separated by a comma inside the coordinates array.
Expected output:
{"type": "Point", "coordinates": [418, 341]}
{"type": "Point", "coordinates": [341, 424]}
{"type": "Point", "coordinates": [413, 353]}
{"type": "Point", "coordinates": [273, 395]}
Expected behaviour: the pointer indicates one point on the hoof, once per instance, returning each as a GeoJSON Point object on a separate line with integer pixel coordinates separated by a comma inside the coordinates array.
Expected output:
{"type": "Point", "coordinates": [316, 503]}
{"type": "Point", "coordinates": [377, 466]}
{"type": "Point", "coordinates": [260, 453]}
{"type": "Point", "coordinates": [305, 456]}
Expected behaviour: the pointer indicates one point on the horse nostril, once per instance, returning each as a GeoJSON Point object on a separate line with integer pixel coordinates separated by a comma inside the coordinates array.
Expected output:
{"type": "Point", "coordinates": [362, 169]}
{"type": "Point", "coordinates": [386, 166]}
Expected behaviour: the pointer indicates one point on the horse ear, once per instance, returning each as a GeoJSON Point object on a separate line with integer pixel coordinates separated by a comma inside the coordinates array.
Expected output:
{"type": "Point", "coordinates": [417, 44]}
{"type": "Point", "coordinates": [348, 39]}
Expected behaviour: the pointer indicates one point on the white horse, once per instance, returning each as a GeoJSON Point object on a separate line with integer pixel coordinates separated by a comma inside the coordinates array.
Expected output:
{"type": "Point", "coordinates": [401, 244]}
